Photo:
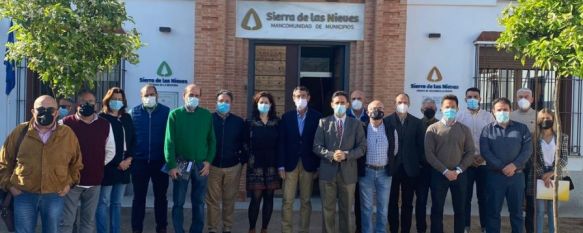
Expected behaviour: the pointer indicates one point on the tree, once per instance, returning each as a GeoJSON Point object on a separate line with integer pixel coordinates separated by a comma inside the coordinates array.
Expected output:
{"type": "Point", "coordinates": [550, 33]}
{"type": "Point", "coordinates": [67, 42]}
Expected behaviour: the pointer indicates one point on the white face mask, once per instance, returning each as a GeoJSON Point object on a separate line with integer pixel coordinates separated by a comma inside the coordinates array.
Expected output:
{"type": "Point", "coordinates": [149, 102]}
{"type": "Point", "coordinates": [356, 104]}
{"type": "Point", "coordinates": [402, 108]}
{"type": "Point", "coordinates": [301, 103]}
{"type": "Point", "coordinates": [523, 104]}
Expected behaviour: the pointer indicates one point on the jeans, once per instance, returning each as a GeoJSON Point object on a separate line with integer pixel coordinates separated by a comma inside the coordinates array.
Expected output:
{"type": "Point", "coordinates": [29, 205]}
{"type": "Point", "coordinates": [197, 195]}
{"type": "Point", "coordinates": [109, 208]}
{"type": "Point", "coordinates": [88, 198]}
{"type": "Point", "coordinates": [402, 187]}
{"type": "Point", "coordinates": [439, 187]}
{"type": "Point", "coordinates": [540, 215]}
{"type": "Point", "coordinates": [512, 188]}
{"type": "Point", "coordinates": [476, 175]}
{"type": "Point", "coordinates": [374, 182]}
{"type": "Point", "coordinates": [142, 171]}
{"type": "Point", "coordinates": [421, 196]}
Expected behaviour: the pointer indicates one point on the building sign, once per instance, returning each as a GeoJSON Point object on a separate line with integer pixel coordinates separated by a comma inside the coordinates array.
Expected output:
{"type": "Point", "coordinates": [434, 83]}
{"type": "Point", "coordinates": [300, 21]}
{"type": "Point", "coordinates": [163, 77]}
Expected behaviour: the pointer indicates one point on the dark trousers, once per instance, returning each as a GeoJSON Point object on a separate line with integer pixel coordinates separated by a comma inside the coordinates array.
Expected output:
{"type": "Point", "coordinates": [421, 194]}
{"type": "Point", "coordinates": [357, 210]}
{"type": "Point", "coordinates": [529, 219]}
{"type": "Point", "coordinates": [439, 187]}
{"type": "Point", "coordinates": [405, 185]}
{"type": "Point", "coordinates": [499, 187]}
{"type": "Point", "coordinates": [476, 175]}
{"type": "Point", "coordinates": [142, 172]}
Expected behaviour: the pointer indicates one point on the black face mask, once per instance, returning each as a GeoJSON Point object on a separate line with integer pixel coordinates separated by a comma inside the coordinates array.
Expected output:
{"type": "Point", "coordinates": [45, 117]}
{"type": "Point", "coordinates": [546, 124]}
{"type": "Point", "coordinates": [377, 114]}
{"type": "Point", "coordinates": [429, 113]}
{"type": "Point", "coordinates": [87, 109]}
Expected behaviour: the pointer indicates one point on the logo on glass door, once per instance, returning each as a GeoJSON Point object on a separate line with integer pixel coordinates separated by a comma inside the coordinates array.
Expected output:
{"type": "Point", "coordinates": [251, 21]}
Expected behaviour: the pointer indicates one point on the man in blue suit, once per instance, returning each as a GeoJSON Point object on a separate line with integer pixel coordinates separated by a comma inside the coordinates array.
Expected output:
{"type": "Point", "coordinates": [296, 161]}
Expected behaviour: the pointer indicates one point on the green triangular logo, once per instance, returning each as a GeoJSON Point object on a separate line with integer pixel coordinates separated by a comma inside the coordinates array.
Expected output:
{"type": "Point", "coordinates": [164, 70]}
{"type": "Point", "coordinates": [254, 25]}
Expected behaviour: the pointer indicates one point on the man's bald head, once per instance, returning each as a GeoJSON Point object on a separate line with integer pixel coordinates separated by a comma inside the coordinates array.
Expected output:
{"type": "Point", "coordinates": [357, 95]}
{"type": "Point", "coordinates": [376, 104]}
{"type": "Point", "coordinates": [45, 101]}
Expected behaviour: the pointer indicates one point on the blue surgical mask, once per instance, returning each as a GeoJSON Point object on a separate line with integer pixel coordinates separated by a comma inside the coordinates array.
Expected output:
{"type": "Point", "coordinates": [115, 105]}
{"type": "Point", "coordinates": [263, 108]}
{"type": "Point", "coordinates": [339, 110]}
{"type": "Point", "coordinates": [63, 112]}
{"type": "Point", "coordinates": [449, 114]}
{"type": "Point", "coordinates": [192, 102]}
{"type": "Point", "coordinates": [502, 117]}
{"type": "Point", "coordinates": [223, 107]}
{"type": "Point", "coordinates": [473, 104]}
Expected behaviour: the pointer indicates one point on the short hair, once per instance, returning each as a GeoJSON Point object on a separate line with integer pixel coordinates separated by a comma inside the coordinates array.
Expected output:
{"type": "Point", "coordinates": [191, 85]}
{"type": "Point", "coordinates": [338, 94]}
{"type": "Point", "coordinates": [405, 94]}
{"type": "Point", "coordinates": [149, 85]}
{"type": "Point", "coordinates": [301, 88]}
{"type": "Point", "coordinates": [524, 90]}
{"type": "Point", "coordinates": [474, 89]}
{"type": "Point", "coordinates": [84, 92]}
{"type": "Point", "coordinates": [109, 95]}
{"type": "Point", "coordinates": [450, 97]}
{"type": "Point", "coordinates": [428, 100]}
{"type": "Point", "coordinates": [503, 100]}
{"type": "Point", "coordinates": [69, 99]}
{"type": "Point", "coordinates": [272, 113]}
{"type": "Point", "coordinates": [225, 92]}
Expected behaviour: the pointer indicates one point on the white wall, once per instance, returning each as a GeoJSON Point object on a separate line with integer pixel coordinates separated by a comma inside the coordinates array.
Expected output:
{"type": "Point", "coordinates": [176, 47]}
{"type": "Point", "coordinates": [454, 52]}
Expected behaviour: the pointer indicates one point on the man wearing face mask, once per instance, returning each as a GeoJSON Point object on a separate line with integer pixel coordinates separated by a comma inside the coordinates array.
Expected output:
{"type": "Point", "coordinates": [449, 149]}
{"type": "Point", "coordinates": [428, 109]}
{"type": "Point", "coordinates": [190, 139]}
{"type": "Point", "coordinates": [98, 147]}
{"type": "Point", "coordinates": [66, 107]}
{"type": "Point", "coordinates": [35, 193]}
{"type": "Point", "coordinates": [526, 115]}
{"type": "Point", "coordinates": [476, 119]}
{"type": "Point", "coordinates": [407, 163]}
{"type": "Point", "coordinates": [339, 142]}
{"type": "Point", "coordinates": [225, 170]}
{"type": "Point", "coordinates": [296, 161]}
{"type": "Point", "coordinates": [149, 120]}
{"type": "Point", "coordinates": [373, 169]}
{"type": "Point", "coordinates": [506, 146]}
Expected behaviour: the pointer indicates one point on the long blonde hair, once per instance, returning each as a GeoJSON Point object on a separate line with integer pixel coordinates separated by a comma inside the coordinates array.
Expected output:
{"type": "Point", "coordinates": [539, 120]}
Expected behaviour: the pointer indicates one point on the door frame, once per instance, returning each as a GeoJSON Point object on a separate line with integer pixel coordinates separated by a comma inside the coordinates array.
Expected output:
{"type": "Point", "coordinates": [258, 42]}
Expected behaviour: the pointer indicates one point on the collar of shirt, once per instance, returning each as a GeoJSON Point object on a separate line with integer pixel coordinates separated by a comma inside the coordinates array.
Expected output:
{"type": "Point", "coordinates": [78, 117]}
{"type": "Point", "coordinates": [343, 119]}
{"type": "Point", "coordinates": [360, 116]}
{"type": "Point", "coordinates": [302, 117]}
{"type": "Point", "coordinates": [377, 128]}
{"type": "Point", "coordinates": [448, 124]}
{"type": "Point", "coordinates": [508, 125]}
{"type": "Point", "coordinates": [44, 136]}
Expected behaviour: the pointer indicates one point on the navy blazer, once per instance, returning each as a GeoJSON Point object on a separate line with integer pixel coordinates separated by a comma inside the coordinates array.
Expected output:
{"type": "Point", "coordinates": [411, 154]}
{"type": "Point", "coordinates": [292, 146]}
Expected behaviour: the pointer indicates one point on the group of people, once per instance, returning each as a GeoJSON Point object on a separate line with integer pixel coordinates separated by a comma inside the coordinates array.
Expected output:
{"type": "Point", "coordinates": [72, 167]}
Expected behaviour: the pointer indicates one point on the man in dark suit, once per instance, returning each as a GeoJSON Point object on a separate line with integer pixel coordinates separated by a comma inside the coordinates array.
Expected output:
{"type": "Point", "coordinates": [339, 142]}
{"type": "Point", "coordinates": [296, 161]}
{"type": "Point", "coordinates": [406, 166]}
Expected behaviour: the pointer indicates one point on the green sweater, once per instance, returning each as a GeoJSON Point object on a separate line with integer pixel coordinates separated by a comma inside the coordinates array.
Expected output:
{"type": "Point", "coordinates": [189, 135]}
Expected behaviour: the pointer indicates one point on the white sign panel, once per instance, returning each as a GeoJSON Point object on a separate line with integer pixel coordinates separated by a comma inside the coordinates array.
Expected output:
{"type": "Point", "coordinates": [300, 21]}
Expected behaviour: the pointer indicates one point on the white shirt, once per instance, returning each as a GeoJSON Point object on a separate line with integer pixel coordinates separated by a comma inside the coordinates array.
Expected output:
{"type": "Point", "coordinates": [476, 122]}
{"type": "Point", "coordinates": [548, 150]}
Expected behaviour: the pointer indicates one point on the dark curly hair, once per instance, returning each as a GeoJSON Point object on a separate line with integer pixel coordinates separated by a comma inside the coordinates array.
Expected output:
{"type": "Point", "coordinates": [272, 113]}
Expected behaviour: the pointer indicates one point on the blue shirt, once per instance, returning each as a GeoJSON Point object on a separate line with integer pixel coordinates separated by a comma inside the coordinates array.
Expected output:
{"type": "Point", "coordinates": [363, 115]}
{"type": "Point", "coordinates": [502, 146]}
{"type": "Point", "coordinates": [301, 120]}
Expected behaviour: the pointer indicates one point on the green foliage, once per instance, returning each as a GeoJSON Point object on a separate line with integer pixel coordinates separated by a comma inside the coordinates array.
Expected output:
{"type": "Point", "coordinates": [550, 32]}
{"type": "Point", "coordinates": [67, 42]}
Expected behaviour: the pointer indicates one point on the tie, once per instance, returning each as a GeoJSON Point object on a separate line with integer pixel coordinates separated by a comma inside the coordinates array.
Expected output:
{"type": "Point", "coordinates": [339, 129]}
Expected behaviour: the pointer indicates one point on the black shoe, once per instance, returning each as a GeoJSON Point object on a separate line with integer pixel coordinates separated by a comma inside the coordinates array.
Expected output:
{"type": "Point", "coordinates": [226, 232]}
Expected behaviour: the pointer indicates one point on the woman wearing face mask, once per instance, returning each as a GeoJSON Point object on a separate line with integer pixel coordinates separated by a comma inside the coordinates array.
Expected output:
{"type": "Point", "coordinates": [262, 175]}
{"type": "Point", "coordinates": [116, 175]}
{"type": "Point", "coordinates": [546, 139]}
